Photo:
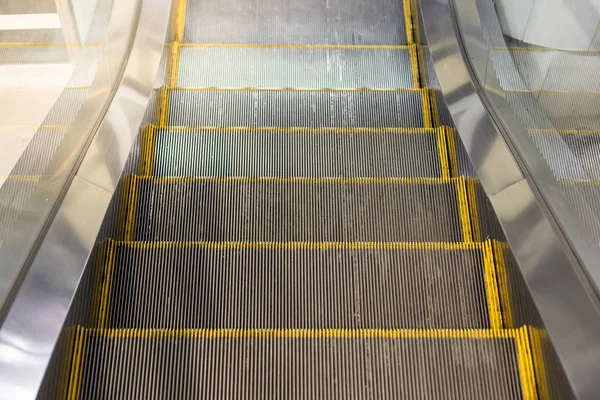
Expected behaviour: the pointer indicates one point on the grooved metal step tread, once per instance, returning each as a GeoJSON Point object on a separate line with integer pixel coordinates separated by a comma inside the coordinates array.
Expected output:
{"type": "Point", "coordinates": [295, 108]}
{"type": "Point", "coordinates": [294, 209]}
{"type": "Point", "coordinates": [299, 152]}
{"type": "Point", "coordinates": [305, 68]}
{"type": "Point", "coordinates": [306, 22]}
{"type": "Point", "coordinates": [294, 285]}
{"type": "Point", "coordinates": [359, 364]}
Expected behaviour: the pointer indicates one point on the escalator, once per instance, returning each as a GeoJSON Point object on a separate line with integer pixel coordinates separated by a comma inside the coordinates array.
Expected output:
{"type": "Point", "coordinates": [299, 219]}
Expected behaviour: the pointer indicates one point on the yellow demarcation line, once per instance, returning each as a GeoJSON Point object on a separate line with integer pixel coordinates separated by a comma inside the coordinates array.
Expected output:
{"type": "Point", "coordinates": [414, 66]}
{"type": "Point", "coordinates": [312, 333]}
{"type": "Point", "coordinates": [78, 363]}
{"type": "Point", "coordinates": [473, 208]}
{"type": "Point", "coordinates": [503, 283]}
{"type": "Point", "coordinates": [67, 362]}
{"type": "Point", "coordinates": [434, 108]}
{"type": "Point", "coordinates": [306, 129]}
{"type": "Point", "coordinates": [23, 178]}
{"type": "Point", "coordinates": [565, 132]}
{"type": "Point", "coordinates": [491, 286]}
{"type": "Point", "coordinates": [423, 70]}
{"type": "Point", "coordinates": [172, 73]}
{"type": "Point", "coordinates": [147, 146]}
{"type": "Point", "coordinates": [132, 200]}
{"type": "Point", "coordinates": [450, 246]}
{"type": "Point", "coordinates": [259, 89]}
{"type": "Point", "coordinates": [296, 46]}
{"type": "Point", "coordinates": [463, 206]}
{"type": "Point", "coordinates": [109, 263]}
{"type": "Point", "coordinates": [537, 338]}
{"type": "Point", "coordinates": [162, 106]}
{"type": "Point", "coordinates": [299, 179]}
{"type": "Point", "coordinates": [451, 140]}
{"type": "Point", "coordinates": [426, 105]}
{"type": "Point", "coordinates": [408, 22]}
{"type": "Point", "coordinates": [525, 360]}
{"type": "Point", "coordinates": [443, 152]}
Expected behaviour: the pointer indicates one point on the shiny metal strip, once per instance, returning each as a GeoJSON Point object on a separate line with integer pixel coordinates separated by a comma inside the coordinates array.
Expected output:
{"type": "Point", "coordinates": [35, 319]}
{"type": "Point", "coordinates": [562, 293]}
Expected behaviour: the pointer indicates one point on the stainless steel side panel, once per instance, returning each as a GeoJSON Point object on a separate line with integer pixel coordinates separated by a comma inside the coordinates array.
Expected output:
{"type": "Point", "coordinates": [562, 294]}
{"type": "Point", "coordinates": [36, 317]}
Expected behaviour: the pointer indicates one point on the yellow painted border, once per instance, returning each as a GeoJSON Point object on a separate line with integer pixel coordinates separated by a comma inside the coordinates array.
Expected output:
{"type": "Point", "coordinates": [453, 159]}
{"type": "Point", "coordinates": [147, 147]}
{"type": "Point", "coordinates": [474, 208]}
{"type": "Point", "coordinates": [98, 286]}
{"type": "Point", "coordinates": [401, 130]}
{"type": "Point", "coordinates": [491, 286]}
{"type": "Point", "coordinates": [408, 22]}
{"type": "Point", "coordinates": [451, 246]}
{"type": "Point", "coordinates": [123, 202]}
{"type": "Point", "coordinates": [463, 206]}
{"type": "Point", "coordinates": [107, 284]}
{"type": "Point", "coordinates": [537, 337]}
{"type": "Point", "coordinates": [67, 360]}
{"type": "Point", "coordinates": [296, 46]}
{"type": "Point", "coordinates": [426, 105]}
{"type": "Point", "coordinates": [310, 90]}
{"type": "Point", "coordinates": [422, 69]}
{"type": "Point", "coordinates": [132, 201]}
{"type": "Point", "coordinates": [526, 371]}
{"type": "Point", "coordinates": [78, 363]}
{"type": "Point", "coordinates": [503, 283]}
{"type": "Point", "coordinates": [443, 152]}
{"type": "Point", "coordinates": [414, 66]}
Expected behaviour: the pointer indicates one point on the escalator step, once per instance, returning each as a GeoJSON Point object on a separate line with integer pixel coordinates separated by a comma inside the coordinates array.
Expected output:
{"type": "Point", "coordinates": [294, 108]}
{"type": "Point", "coordinates": [297, 210]}
{"type": "Point", "coordinates": [276, 152]}
{"type": "Point", "coordinates": [302, 68]}
{"type": "Point", "coordinates": [400, 364]}
{"type": "Point", "coordinates": [293, 285]}
{"type": "Point", "coordinates": [362, 22]}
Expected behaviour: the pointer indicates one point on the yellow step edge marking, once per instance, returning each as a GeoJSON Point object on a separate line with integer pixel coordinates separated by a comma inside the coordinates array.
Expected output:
{"type": "Point", "coordinates": [67, 359]}
{"type": "Point", "coordinates": [415, 21]}
{"type": "Point", "coordinates": [574, 132]}
{"type": "Point", "coordinates": [147, 148]}
{"type": "Point", "coordinates": [503, 283]}
{"type": "Point", "coordinates": [161, 115]}
{"type": "Point", "coordinates": [302, 245]}
{"type": "Point", "coordinates": [172, 72]}
{"type": "Point", "coordinates": [434, 108]}
{"type": "Point", "coordinates": [283, 180]}
{"type": "Point", "coordinates": [23, 178]}
{"type": "Point", "coordinates": [426, 105]}
{"type": "Point", "coordinates": [473, 208]}
{"type": "Point", "coordinates": [408, 22]}
{"type": "Point", "coordinates": [463, 206]}
{"type": "Point", "coordinates": [442, 152]}
{"type": "Point", "coordinates": [414, 66]}
{"type": "Point", "coordinates": [451, 140]}
{"type": "Point", "coordinates": [131, 208]}
{"type": "Point", "coordinates": [300, 129]}
{"type": "Point", "coordinates": [491, 286]}
{"type": "Point", "coordinates": [307, 333]}
{"type": "Point", "coordinates": [123, 201]}
{"type": "Point", "coordinates": [178, 25]}
{"type": "Point", "coordinates": [312, 90]}
{"type": "Point", "coordinates": [538, 338]}
{"type": "Point", "coordinates": [296, 46]}
{"type": "Point", "coordinates": [78, 363]}
{"type": "Point", "coordinates": [525, 361]}
{"type": "Point", "coordinates": [107, 284]}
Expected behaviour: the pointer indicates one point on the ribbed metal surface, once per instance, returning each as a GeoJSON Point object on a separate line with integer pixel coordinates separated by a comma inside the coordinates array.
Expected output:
{"type": "Point", "coordinates": [262, 286]}
{"type": "Point", "coordinates": [389, 109]}
{"type": "Point", "coordinates": [296, 210]}
{"type": "Point", "coordinates": [329, 153]}
{"type": "Point", "coordinates": [276, 364]}
{"type": "Point", "coordinates": [300, 68]}
{"type": "Point", "coordinates": [307, 22]}
{"type": "Point", "coordinates": [580, 150]}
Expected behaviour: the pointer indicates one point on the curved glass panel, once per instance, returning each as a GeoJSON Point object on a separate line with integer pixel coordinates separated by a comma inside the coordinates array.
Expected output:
{"type": "Point", "coordinates": [547, 102]}
{"type": "Point", "coordinates": [60, 62]}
